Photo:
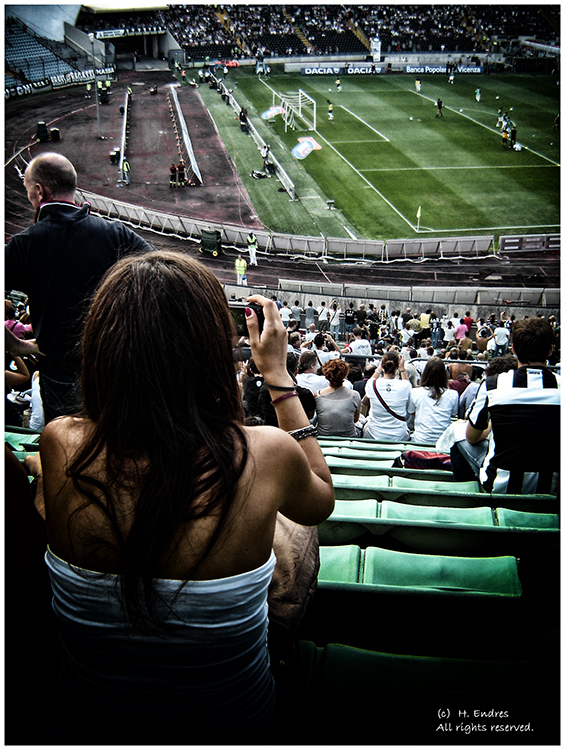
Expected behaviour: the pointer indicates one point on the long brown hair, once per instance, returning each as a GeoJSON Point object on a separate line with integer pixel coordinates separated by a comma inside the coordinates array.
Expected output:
{"type": "Point", "coordinates": [434, 378]}
{"type": "Point", "coordinates": [159, 385]}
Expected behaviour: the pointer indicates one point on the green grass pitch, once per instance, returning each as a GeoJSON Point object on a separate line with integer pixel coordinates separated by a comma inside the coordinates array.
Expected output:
{"type": "Point", "coordinates": [386, 154]}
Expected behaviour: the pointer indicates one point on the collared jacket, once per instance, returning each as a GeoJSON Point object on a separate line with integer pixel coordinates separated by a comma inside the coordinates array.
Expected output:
{"type": "Point", "coordinates": [58, 262]}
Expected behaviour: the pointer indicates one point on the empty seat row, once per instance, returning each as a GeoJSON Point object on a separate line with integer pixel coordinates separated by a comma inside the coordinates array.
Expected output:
{"type": "Point", "coordinates": [375, 569]}
{"type": "Point", "coordinates": [435, 493]}
{"type": "Point", "coordinates": [433, 528]}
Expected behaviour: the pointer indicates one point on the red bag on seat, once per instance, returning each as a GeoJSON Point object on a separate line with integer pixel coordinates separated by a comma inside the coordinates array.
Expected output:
{"type": "Point", "coordinates": [426, 460]}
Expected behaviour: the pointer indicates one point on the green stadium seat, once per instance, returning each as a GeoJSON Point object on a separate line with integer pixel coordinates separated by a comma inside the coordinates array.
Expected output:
{"type": "Point", "coordinates": [493, 576]}
{"type": "Point", "coordinates": [434, 486]}
{"type": "Point", "coordinates": [363, 455]}
{"type": "Point", "coordinates": [340, 564]}
{"type": "Point", "coordinates": [349, 519]}
{"type": "Point", "coordinates": [22, 441]}
{"type": "Point", "coordinates": [514, 519]}
{"type": "Point", "coordinates": [360, 467]}
{"type": "Point", "coordinates": [376, 569]}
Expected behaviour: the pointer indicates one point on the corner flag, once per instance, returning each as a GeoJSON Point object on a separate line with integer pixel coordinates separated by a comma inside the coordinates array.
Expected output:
{"type": "Point", "coordinates": [419, 212]}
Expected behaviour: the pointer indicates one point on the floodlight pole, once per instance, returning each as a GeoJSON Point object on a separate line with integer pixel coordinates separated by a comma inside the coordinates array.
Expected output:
{"type": "Point", "coordinates": [91, 37]}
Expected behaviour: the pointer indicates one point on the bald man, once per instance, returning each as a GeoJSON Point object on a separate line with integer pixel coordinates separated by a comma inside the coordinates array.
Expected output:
{"type": "Point", "coordinates": [58, 262]}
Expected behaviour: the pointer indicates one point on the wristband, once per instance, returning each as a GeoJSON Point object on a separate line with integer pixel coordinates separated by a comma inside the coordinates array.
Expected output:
{"type": "Point", "coordinates": [304, 432]}
{"type": "Point", "coordinates": [281, 387]}
{"type": "Point", "coordinates": [285, 395]}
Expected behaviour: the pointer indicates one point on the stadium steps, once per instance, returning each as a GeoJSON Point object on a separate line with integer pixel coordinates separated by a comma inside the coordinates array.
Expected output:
{"type": "Point", "coordinates": [296, 29]}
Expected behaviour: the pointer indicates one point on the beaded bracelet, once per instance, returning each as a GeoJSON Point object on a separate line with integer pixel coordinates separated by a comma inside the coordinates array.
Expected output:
{"type": "Point", "coordinates": [281, 387]}
{"type": "Point", "coordinates": [285, 395]}
{"type": "Point", "coordinates": [304, 432]}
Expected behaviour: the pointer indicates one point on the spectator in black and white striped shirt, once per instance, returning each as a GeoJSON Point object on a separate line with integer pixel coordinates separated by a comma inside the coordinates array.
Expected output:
{"type": "Point", "coordinates": [513, 428]}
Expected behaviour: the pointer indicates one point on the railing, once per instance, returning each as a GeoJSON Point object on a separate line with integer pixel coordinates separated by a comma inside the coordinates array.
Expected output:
{"type": "Point", "coordinates": [285, 180]}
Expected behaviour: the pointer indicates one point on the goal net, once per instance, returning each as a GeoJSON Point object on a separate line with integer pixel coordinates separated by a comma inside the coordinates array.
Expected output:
{"type": "Point", "coordinates": [299, 110]}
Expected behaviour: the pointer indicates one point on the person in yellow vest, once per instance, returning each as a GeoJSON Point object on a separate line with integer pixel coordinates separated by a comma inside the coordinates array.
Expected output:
{"type": "Point", "coordinates": [88, 94]}
{"type": "Point", "coordinates": [126, 170]}
{"type": "Point", "coordinates": [240, 270]}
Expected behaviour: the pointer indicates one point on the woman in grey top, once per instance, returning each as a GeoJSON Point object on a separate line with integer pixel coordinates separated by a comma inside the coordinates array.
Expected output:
{"type": "Point", "coordinates": [337, 407]}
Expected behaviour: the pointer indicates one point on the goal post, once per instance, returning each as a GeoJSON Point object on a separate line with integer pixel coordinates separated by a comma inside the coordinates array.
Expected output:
{"type": "Point", "coordinates": [301, 107]}
{"type": "Point", "coordinates": [298, 109]}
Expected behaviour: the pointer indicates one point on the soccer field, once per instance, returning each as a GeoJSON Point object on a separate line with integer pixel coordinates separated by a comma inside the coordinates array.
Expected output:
{"type": "Point", "coordinates": [386, 156]}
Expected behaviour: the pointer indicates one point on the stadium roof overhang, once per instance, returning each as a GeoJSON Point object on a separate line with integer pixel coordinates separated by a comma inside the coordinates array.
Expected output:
{"type": "Point", "coordinates": [124, 7]}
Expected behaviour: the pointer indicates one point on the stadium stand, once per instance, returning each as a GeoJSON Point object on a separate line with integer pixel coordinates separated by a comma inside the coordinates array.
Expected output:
{"type": "Point", "coordinates": [436, 592]}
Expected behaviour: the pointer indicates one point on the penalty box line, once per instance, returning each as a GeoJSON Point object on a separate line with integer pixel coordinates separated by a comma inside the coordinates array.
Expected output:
{"type": "Point", "coordinates": [486, 127]}
{"type": "Point", "coordinates": [358, 173]}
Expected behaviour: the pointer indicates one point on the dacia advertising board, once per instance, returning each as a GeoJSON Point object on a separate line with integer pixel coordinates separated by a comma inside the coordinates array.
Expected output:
{"type": "Point", "coordinates": [336, 70]}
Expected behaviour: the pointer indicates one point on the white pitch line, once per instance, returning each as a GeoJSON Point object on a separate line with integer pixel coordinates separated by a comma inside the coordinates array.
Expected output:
{"type": "Point", "coordinates": [365, 123]}
{"type": "Point", "coordinates": [481, 166]}
{"type": "Point", "coordinates": [491, 229]}
{"type": "Point", "coordinates": [380, 140]}
{"type": "Point", "coordinates": [369, 184]}
{"type": "Point", "coordinates": [486, 127]}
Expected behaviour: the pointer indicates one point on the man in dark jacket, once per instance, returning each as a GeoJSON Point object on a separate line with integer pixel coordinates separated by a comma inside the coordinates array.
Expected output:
{"type": "Point", "coordinates": [58, 262]}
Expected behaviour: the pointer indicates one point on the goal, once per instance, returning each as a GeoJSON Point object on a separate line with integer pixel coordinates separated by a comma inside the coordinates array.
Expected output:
{"type": "Point", "coordinates": [298, 109]}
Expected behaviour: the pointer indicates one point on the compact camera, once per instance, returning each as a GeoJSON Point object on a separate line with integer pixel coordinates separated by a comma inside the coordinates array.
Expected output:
{"type": "Point", "coordinates": [237, 310]}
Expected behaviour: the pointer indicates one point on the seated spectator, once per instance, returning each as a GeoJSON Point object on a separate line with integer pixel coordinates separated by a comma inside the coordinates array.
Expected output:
{"type": "Point", "coordinates": [307, 376]}
{"type": "Point", "coordinates": [252, 383]}
{"type": "Point", "coordinates": [359, 345]}
{"type": "Point", "coordinates": [459, 384]}
{"type": "Point", "coordinates": [412, 368]}
{"type": "Point", "coordinates": [368, 373]}
{"type": "Point", "coordinates": [500, 364]}
{"type": "Point", "coordinates": [432, 403]}
{"type": "Point", "coordinates": [267, 411]}
{"type": "Point", "coordinates": [161, 519]}
{"type": "Point", "coordinates": [11, 324]}
{"type": "Point", "coordinates": [455, 369]}
{"type": "Point", "coordinates": [310, 334]}
{"type": "Point", "coordinates": [293, 345]}
{"type": "Point", "coordinates": [513, 431]}
{"type": "Point", "coordinates": [388, 397]}
{"type": "Point", "coordinates": [337, 407]}
{"type": "Point", "coordinates": [326, 348]}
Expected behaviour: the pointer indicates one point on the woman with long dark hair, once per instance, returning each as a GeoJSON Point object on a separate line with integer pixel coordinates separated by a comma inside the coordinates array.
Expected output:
{"type": "Point", "coordinates": [433, 403]}
{"type": "Point", "coordinates": [161, 507]}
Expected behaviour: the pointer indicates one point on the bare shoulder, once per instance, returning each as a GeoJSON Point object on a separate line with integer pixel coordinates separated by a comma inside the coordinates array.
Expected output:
{"type": "Point", "coordinates": [64, 435]}
{"type": "Point", "coordinates": [269, 441]}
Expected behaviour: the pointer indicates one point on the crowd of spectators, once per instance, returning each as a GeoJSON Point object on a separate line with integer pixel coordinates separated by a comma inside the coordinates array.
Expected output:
{"type": "Point", "coordinates": [289, 30]}
{"type": "Point", "coordinates": [414, 371]}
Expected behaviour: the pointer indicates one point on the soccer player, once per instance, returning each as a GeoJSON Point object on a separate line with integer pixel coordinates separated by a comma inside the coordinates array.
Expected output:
{"type": "Point", "coordinates": [439, 105]}
{"type": "Point", "coordinates": [478, 95]}
{"type": "Point", "coordinates": [330, 110]}
{"type": "Point", "coordinates": [500, 118]}
{"type": "Point", "coordinates": [338, 84]}
{"type": "Point", "coordinates": [418, 85]}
